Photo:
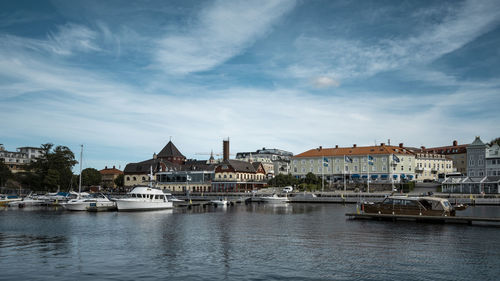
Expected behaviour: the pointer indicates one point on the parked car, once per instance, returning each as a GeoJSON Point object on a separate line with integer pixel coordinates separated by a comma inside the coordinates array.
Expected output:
{"type": "Point", "coordinates": [287, 189]}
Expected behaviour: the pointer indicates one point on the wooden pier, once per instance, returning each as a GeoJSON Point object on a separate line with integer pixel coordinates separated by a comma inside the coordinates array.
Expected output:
{"type": "Point", "coordinates": [438, 219]}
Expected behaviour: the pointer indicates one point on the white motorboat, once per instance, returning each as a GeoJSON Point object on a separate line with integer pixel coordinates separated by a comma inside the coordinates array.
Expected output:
{"type": "Point", "coordinates": [219, 202]}
{"type": "Point", "coordinates": [7, 199]}
{"type": "Point", "coordinates": [92, 202]}
{"type": "Point", "coordinates": [30, 200]}
{"type": "Point", "coordinates": [144, 198]}
{"type": "Point", "coordinates": [274, 199]}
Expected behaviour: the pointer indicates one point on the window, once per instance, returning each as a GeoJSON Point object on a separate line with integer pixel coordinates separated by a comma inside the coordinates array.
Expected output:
{"type": "Point", "coordinates": [338, 169]}
{"type": "Point", "coordinates": [128, 178]}
{"type": "Point", "coordinates": [346, 168]}
{"type": "Point", "coordinates": [133, 178]}
{"type": "Point", "coordinates": [311, 161]}
{"type": "Point", "coordinates": [355, 168]}
{"type": "Point", "coordinates": [319, 161]}
{"type": "Point", "coordinates": [303, 162]}
{"type": "Point", "coordinates": [303, 170]}
{"type": "Point", "coordinates": [319, 169]}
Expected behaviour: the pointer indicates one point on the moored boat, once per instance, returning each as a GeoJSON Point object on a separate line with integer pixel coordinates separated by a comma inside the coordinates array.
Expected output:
{"type": "Point", "coordinates": [405, 205]}
{"type": "Point", "coordinates": [274, 199]}
{"type": "Point", "coordinates": [143, 198]}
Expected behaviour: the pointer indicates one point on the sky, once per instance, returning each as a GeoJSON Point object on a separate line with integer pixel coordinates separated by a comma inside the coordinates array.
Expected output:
{"type": "Point", "coordinates": [125, 77]}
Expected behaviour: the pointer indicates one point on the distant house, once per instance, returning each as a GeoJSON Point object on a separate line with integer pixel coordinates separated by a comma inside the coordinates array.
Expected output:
{"type": "Point", "coordinates": [108, 176]}
{"type": "Point", "coordinates": [457, 153]}
{"type": "Point", "coordinates": [235, 176]}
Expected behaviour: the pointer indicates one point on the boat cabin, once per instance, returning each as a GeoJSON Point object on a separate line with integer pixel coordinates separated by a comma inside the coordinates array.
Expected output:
{"type": "Point", "coordinates": [401, 205]}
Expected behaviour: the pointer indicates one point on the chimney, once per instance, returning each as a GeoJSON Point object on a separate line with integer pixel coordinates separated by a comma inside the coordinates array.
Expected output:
{"type": "Point", "coordinates": [336, 146]}
{"type": "Point", "coordinates": [422, 147]}
{"type": "Point", "coordinates": [105, 167]}
{"type": "Point", "coordinates": [354, 145]}
{"type": "Point", "coordinates": [225, 149]}
{"type": "Point", "coordinates": [455, 143]}
{"type": "Point", "coordinates": [401, 145]}
{"type": "Point", "coordinates": [320, 148]}
{"type": "Point", "coordinates": [382, 144]}
{"type": "Point", "coordinates": [154, 156]}
{"type": "Point", "coordinates": [388, 141]}
{"type": "Point", "coordinates": [114, 167]}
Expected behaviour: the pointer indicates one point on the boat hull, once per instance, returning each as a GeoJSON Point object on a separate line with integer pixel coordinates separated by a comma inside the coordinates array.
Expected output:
{"type": "Point", "coordinates": [134, 205]}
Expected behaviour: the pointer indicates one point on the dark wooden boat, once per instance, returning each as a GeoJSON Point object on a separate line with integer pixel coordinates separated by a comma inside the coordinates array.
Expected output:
{"type": "Point", "coordinates": [403, 205]}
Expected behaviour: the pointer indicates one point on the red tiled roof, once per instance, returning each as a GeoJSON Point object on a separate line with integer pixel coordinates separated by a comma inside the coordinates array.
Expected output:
{"type": "Point", "coordinates": [110, 171]}
{"type": "Point", "coordinates": [363, 150]}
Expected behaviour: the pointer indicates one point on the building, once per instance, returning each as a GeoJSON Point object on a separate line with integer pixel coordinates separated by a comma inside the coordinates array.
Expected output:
{"type": "Point", "coordinates": [476, 162]}
{"type": "Point", "coordinates": [17, 160]}
{"type": "Point", "coordinates": [235, 175]}
{"type": "Point", "coordinates": [280, 159]}
{"type": "Point", "coordinates": [472, 185]}
{"type": "Point", "coordinates": [493, 160]}
{"type": "Point", "coordinates": [172, 171]}
{"type": "Point", "coordinates": [457, 153]}
{"type": "Point", "coordinates": [380, 163]}
{"type": "Point", "coordinates": [108, 176]}
{"type": "Point", "coordinates": [430, 166]}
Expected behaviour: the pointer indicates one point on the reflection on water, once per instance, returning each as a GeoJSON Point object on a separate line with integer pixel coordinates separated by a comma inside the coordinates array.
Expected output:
{"type": "Point", "coordinates": [242, 242]}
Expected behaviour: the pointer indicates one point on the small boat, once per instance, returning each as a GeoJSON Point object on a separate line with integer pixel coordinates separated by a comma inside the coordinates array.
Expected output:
{"type": "Point", "coordinates": [30, 200]}
{"type": "Point", "coordinates": [418, 205]}
{"type": "Point", "coordinates": [92, 202]}
{"type": "Point", "coordinates": [274, 199]}
{"type": "Point", "coordinates": [219, 202]}
{"type": "Point", "coordinates": [7, 199]}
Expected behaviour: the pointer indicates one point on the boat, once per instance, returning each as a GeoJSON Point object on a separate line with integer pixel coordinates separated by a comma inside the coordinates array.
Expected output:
{"type": "Point", "coordinates": [143, 198]}
{"type": "Point", "coordinates": [30, 200]}
{"type": "Point", "coordinates": [274, 199]}
{"type": "Point", "coordinates": [5, 200]}
{"type": "Point", "coordinates": [406, 205]}
{"type": "Point", "coordinates": [219, 202]}
{"type": "Point", "coordinates": [93, 202]}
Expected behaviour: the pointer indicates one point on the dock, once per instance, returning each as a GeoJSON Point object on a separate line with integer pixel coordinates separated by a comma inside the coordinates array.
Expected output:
{"type": "Point", "coordinates": [436, 219]}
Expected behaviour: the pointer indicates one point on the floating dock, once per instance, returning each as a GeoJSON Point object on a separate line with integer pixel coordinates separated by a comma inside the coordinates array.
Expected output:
{"type": "Point", "coordinates": [438, 219]}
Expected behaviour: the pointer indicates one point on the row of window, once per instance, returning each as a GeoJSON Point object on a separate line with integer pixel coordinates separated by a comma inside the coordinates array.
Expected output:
{"type": "Point", "coordinates": [448, 166]}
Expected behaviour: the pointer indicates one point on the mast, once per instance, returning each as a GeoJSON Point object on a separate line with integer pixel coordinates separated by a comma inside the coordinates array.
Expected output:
{"type": "Point", "coordinates": [343, 173]}
{"type": "Point", "coordinates": [368, 175]}
{"type": "Point", "coordinates": [80, 178]}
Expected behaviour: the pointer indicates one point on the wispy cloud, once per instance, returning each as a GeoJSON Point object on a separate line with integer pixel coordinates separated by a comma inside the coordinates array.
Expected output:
{"type": "Point", "coordinates": [221, 32]}
{"type": "Point", "coordinates": [347, 59]}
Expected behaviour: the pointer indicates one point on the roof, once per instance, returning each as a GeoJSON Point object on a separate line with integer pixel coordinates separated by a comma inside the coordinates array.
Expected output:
{"type": "Point", "coordinates": [197, 165]}
{"type": "Point", "coordinates": [170, 151]}
{"type": "Point", "coordinates": [362, 150]}
{"type": "Point", "coordinates": [451, 149]}
{"type": "Point", "coordinates": [240, 166]}
{"type": "Point", "coordinates": [110, 171]}
{"type": "Point", "coordinates": [477, 143]}
{"type": "Point", "coordinates": [144, 166]}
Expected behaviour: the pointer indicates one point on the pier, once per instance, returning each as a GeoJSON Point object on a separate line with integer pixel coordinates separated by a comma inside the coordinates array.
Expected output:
{"type": "Point", "coordinates": [437, 219]}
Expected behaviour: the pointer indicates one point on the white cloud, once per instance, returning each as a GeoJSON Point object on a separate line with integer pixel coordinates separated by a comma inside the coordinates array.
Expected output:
{"type": "Point", "coordinates": [325, 82]}
{"type": "Point", "coordinates": [221, 32]}
{"type": "Point", "coordinates": [346, 58]}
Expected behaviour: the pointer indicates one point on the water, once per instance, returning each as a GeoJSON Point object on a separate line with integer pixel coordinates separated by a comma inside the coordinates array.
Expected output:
{"type": "Point", "coordinates": [244, 242]}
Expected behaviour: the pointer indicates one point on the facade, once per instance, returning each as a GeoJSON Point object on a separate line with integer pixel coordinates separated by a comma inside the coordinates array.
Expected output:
{"type": "Point", "coordinates": [428, 166]}
{"type": "Point", "coordinates": [172, 171]}
{"type": "Point", "coordinates": [195, 176]}
{"type": "Point", "coordinates": [236, 176]}
{"type": "Point", "coordinates": [457, 153]}
{"type": "Point", "coordinates": [379, 163]}
{"type": "Point", "coordinates": [476, 162]}
{"type": "Point", "coordinates": [108, 176]}
{"type": "Point", "coordinates": [17, 160]}
{"type": "Point", "coordinates": [280, 159]}
{"type": "Point", "coordinates": [493, 160]}
{"type": "Point", "coordinates": [472, 185]}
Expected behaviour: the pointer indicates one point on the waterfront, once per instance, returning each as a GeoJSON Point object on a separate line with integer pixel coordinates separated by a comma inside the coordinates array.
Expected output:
{"type": "Point", "coordinates": [242, 242]}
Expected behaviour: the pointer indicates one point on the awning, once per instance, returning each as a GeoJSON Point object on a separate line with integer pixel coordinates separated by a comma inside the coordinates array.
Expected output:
{"type": "Point", "coordinates": [403, 176]}
{"type": "Point", "coordinates": [410, 177]}
{"type": "Point", "coordinates": [355, 176]}
{"type": "Point", "coordinates": [384, 176]}
{"type": "Point", "coordinates": [374, 176]}
{"type": "Point", "coordinates": [364, 176]}
{"type": "Point", "coordinates": [395, 176]}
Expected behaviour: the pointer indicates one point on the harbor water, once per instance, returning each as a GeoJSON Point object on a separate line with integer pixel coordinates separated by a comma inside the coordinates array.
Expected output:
{"type": "Point", "coordinates": [242, 242]}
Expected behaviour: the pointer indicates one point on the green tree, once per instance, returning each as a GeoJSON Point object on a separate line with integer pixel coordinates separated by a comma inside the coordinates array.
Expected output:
{"type": "Point", "coordinates": [496, 140]}
{"type": "Point", "coordinates": [91, 176]}
{"type": "Point", "coordinates": [5, 173]}
{"type": "Point", "coordinates": [119, 181]}
{"type": "Point", "coordinates": [283, 180]}
{"type": "Point", "coordinates": [53, 169]}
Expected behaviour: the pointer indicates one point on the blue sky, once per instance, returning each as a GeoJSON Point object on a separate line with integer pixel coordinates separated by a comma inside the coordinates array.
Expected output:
{"type": "Point", "coordinates": [123, 78]}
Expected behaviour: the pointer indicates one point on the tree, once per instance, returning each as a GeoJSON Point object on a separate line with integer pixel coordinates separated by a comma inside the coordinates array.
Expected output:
{"type": "Point", "coordinates": [53, 169]}
{"type": "Point", "coordinates": [282, 180]}
{"type": "Point", "coordinates": [5, 173]}
{"type": "Point", "coordinates": [496, 140]}
{"type": "Point", "coordinates": [119, 181]}
{"type": "Point", "coordinates": [91, 176]}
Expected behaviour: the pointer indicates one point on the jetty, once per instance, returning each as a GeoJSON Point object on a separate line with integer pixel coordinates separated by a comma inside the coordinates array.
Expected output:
{"type": "Point", "coordinates": [435, 219]}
